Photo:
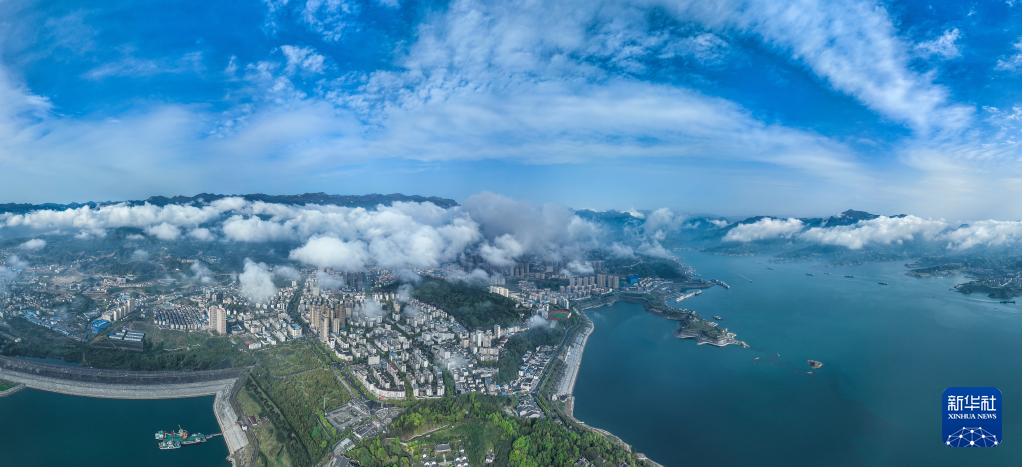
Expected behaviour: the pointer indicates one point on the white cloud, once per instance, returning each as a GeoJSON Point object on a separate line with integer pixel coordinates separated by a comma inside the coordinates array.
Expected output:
{"type": "Point", "coordinates": [201, 234]}
{"type": "Point", "coordinates": [331, 252]}
{"type": "Point", "coordinates": [537, 321]}
{"type": "Point", "coordinates": [764, 229]}
{"type": "Point", "coordinates": [133, 67]}
{"type": "Point", "coordinates": [988, 233]}
{"type": "Point", "coordinates": [328, 281]}
{"type": "Point", "coordinates": [201, 273]}
{"type": "Point", "coordinates": [286, 272]}
{"type": "Point", "coordinates": [34, 244]}
{"type": "Point", "coordinates": [158, 220]}
{"type": "Point", "coordinates": [491, 80]}
{"type": "Point", "coordinates": [476, 276]}
{"type": "Point", "coordinates": [139, 255]}
{"type": "Point", "coordinates": [256, 282]}
{"type": "Point", "coordinates": [946, 45]}
{"type": "Point", "coordinates": [164, 231]}
{"type": "Point", "coordinates": [329, 18]}
{"type": "Point", "coordinates": [883, 231]}
{"type": "Point", "coordinates": [516, 228]}
{"type": "Point", "coordinates": [864, 58]}
{"type": "Point", "coordinates": [302, 59]}
{"type": "Point", "coordinates": [620, 250]}
{"type": "Point", "coordinates": [402, 237]}
{"type": "Point", "coordinates": [254, 229]}
{"type": "Point", "coordinates": [655, 249]}
{"type": "Point", "coordinates": [371, 309]}
{"type": "Point", "coordinates": [1014, 61]}
{"type": "Point", "coordinates": [660, 222]}
{"type": "Point", "coordinates": [9, 271]}
{"type": "Point", "coordinates": [502, 251]}
{"type": "Point", "coordinates": [541, 82]}
{"type": "Point", "coordinates": [579, 267]}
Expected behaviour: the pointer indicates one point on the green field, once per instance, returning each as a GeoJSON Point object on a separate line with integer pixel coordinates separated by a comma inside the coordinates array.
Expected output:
{"type": "Point", "coordinates": [5, 385]}
{"type": "Point", "coordinates": [480, 425]}
{"type": "Point", "coordinates": [269, 441]}
{"type": "Point", "coordinates": [293, 385]}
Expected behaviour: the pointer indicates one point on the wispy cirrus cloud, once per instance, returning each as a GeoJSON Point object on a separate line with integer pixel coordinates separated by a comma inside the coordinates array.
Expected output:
{"type": "Point", "coordinates": [864, 57]}
{"type": "Point", "coordinates": [945, 45]}
{"type": "Point", "coordinates": [1012, 61]}
{"type": "Point", "coordinates": [130, 66]}
{"type": "Point", "coordinates": [534, 83]}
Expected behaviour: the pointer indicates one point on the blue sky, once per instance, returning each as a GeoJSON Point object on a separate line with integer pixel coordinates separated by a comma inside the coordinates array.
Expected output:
{"type": "Point", "coordinates": [732, 107]}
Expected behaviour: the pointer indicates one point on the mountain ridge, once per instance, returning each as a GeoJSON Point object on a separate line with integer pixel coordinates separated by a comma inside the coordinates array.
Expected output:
{"type": "Point", "coordinates": [363, 201]}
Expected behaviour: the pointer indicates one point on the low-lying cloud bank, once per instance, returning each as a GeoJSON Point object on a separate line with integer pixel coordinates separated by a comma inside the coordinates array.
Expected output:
{"type": "Point", "coordinates": [883, 231]}
{"type": "Point", "coordinates": [9, 270]}
{"type": "Point", "coordinates": [402, 236]}
{"type": "Point", "coordinates": [764, 229]}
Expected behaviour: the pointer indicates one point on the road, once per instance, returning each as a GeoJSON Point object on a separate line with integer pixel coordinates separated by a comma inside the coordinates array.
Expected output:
{"type": "Point", "coordinates": [573, 360]}
{"type": "Point", "coordinates": [234, 436]}
{"type": "Point", "coordinates": [116, 391]}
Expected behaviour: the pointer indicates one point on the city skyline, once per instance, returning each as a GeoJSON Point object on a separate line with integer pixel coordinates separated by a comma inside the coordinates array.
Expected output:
{"type": "Point", "coordinates": [735, 109]}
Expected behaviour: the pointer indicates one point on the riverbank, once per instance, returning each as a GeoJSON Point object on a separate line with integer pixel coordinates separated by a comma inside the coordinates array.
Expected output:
{"type": "Point", "coordinates": [637, 377]}
{"type": "Point", "coordinates": [9, 388]}
{"type": "Point", "coordinates": [227, 418]}
{"type": "Point", "coordinates": [572, 363]}
{"type": "Point", "coordinates": [572, 357]}
{"type": "Point", "coordinates": [116, 391]}
{"type": "Point", "coordinates": [223, 390]}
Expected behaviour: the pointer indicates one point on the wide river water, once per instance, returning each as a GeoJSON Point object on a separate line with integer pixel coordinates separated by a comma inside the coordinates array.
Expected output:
{"type": "Point", "coordinates": [889, 352]}
{"type": "Point", "coordinates": [46, 429]}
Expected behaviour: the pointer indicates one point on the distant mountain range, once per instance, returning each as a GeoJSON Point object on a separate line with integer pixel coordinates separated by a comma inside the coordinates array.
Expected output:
{"type": "Point", "coordinates": [363, 201]}
{"type": "Point", "coordinates": [848, 217]}
{"type": "Point", "coordinates": [621, 218]}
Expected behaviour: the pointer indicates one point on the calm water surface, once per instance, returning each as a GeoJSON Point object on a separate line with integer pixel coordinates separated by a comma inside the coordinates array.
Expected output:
{"type": "Point", "coordinates": [45, 429]}
{"type": "Point", "coordinates": [889, 352]}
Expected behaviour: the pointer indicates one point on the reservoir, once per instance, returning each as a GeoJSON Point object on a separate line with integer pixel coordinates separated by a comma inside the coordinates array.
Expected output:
{"type": "Point", "coordinates": [889, 352]}
{"type": "Point", "coordinates": [43, 429]}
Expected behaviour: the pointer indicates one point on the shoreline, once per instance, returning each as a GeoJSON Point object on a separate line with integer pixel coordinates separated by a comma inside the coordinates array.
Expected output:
{"type": "Point", "coordinates": [569, 395]}
{"type": "Point", "coordinates": [12, 390]}
{"type": "Point", "coordinates": [235, 438]}
{"type": "Point", "coordinates": [566, 387]}
{"type": "Point", "coordinates": [682, 316]}
{"type": "Point", "coordinates": [227, 419]}
{"type": "Point", "coordinates": [115, 391]}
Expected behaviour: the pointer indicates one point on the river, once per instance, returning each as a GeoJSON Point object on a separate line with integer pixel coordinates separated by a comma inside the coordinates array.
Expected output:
{"type": "Point", "coordinates": [47, 429]}
{"type": "Point", "coordinates": [889, 352]}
